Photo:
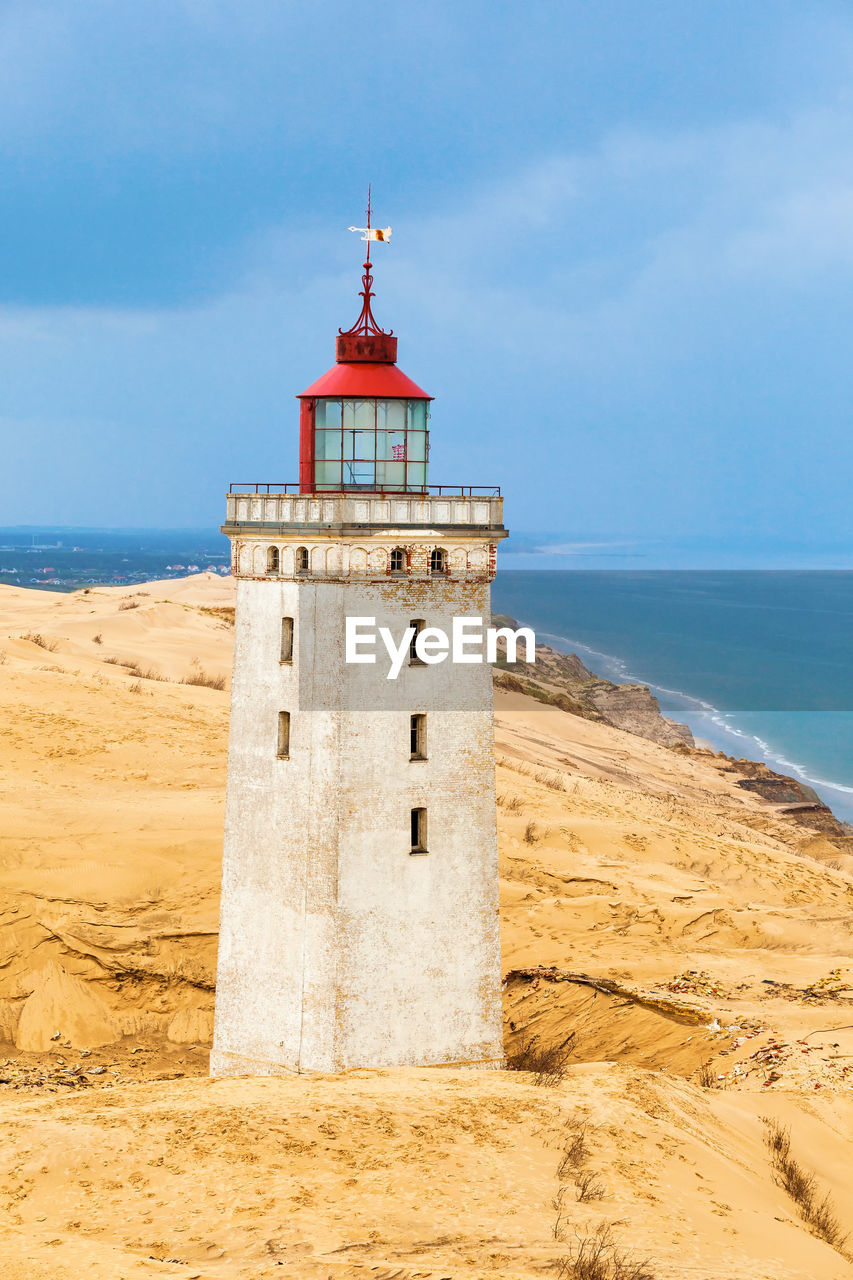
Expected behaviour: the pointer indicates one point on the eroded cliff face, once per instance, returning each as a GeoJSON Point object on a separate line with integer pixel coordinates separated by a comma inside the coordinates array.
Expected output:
{"type": "Point", "coordinates": [562, 680]}
{"type": "Point", "coordinates": [633, 708]}
{"type": "Point", "coordinates": [798, 800]}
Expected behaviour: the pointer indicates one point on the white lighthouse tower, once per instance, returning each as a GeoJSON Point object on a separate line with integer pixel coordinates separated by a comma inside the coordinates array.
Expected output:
{"type": "Point", "coordinates": [359, 918]}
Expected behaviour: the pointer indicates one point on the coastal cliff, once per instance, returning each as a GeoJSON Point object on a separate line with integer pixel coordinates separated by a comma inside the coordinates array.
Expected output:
{"type": "Point", "coordinates": [562, 680]}
{"type": "Point", "coordinates": [795, 798]}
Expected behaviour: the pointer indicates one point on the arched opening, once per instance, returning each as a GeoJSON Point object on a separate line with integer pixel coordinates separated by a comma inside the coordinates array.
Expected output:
{"type": "Point", "coordinates": [272, 560]}
{"type": "Point", "coordinates": [399, 560]}
{"type": "Point", "coordinates": [301, 559]}
{"type": "Point", "coordinates": [438, 560]}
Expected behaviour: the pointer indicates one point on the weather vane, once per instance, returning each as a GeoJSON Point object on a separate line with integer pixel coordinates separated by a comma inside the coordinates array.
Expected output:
{"type": "Point", "coordinates": [366, 324]}
{"type": "Point", "coordinates": [372, 233]}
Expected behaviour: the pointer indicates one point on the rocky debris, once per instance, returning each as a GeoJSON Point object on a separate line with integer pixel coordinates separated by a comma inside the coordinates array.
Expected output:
{"type": "Point", "coordinates": [798, 1064]}
{"type": "Point", "coordinates": [122, 1064]}
{"type": "Point", "coordinates": [831, 988]}
{"type": "Point", "coordinates": [793, 797]}
{"type": "Point", "coordinates": [45, 1077]}
{"type": "Point", "coordinates": [693, 982]}
{"type": "Point", "coordinates": [561, 680]}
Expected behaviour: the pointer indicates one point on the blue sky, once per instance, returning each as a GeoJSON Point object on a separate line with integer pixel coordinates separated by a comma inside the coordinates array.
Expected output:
{"type": "Point", "coordinates": [622, 256]}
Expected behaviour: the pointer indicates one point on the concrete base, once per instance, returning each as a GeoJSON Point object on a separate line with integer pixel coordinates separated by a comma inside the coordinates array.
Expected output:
{"type": "Point", "coordinates": [224, 1064]}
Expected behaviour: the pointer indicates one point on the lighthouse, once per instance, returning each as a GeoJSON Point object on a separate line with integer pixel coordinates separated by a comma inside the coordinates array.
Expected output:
{"type": "Point", "coordinates": [359, 909]}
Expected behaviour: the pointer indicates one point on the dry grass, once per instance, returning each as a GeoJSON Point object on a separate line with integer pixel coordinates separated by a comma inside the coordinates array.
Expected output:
{"type": "Point", "coordinates": [554, 782]}
{"type": "Point", "coordinates": [577, 1152]}
{"type": "Point", "coordinates": [133, 668]}
{"type": "Point", "coordinates": [98, 639]}
{"type": "Point", "coordinates": [512, 804]}
{"type": "Point", "coordinates": [589, 1187]}
{"type": "Point", "coordinates": [223, 613]}
{"type": "Point", "coordinates": [548, 1063]}
{"type": "Point", "coordinates": [598, 1257]}
{"type": "Point", "coordinates": [706, 1079]}
{"type": "Point", "coordinates": [136, 687]}
{"type": "Point", "coordinates": [35, 637]}
{"type": "Point", "coordinates": [202, 678]}
{"type": "Point", "coordinates": [531, 833]}
{"type": "Point", "coordinates": [801, 1185]}
{"type": "Point", "coordinates": [128, 604]}
{"type": "Point", "coordinates": [143, 673]}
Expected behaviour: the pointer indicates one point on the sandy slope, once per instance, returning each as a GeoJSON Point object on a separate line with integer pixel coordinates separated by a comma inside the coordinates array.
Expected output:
{"type": "Point", "coordinates": [113, 801]}
{"type": "Point", "coordinates": [642, 864]}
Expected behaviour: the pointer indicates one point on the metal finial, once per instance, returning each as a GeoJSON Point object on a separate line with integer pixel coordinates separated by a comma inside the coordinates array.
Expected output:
{"type": "Point", "coordinates": [366, 324]}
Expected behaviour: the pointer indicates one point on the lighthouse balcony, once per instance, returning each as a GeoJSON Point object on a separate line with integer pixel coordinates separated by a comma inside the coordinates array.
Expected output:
{"type": "Point", "coordinates": [274, 508]}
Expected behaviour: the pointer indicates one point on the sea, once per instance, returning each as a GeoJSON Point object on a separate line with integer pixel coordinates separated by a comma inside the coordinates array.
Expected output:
{"type": "Point", "coordinates": [758, 662]}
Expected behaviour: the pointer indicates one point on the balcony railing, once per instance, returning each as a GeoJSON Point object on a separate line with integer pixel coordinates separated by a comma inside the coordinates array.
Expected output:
{"type": "Point", "coordinates": [441, 490]}
{"type": "Point", "coordinates": [330, 513]}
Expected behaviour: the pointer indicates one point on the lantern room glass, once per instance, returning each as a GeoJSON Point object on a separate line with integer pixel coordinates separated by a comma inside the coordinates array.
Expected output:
{"type": "Point", "coordinates": [371, 444]}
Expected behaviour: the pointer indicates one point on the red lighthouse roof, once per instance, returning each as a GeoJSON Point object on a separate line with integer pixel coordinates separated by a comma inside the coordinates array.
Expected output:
{"type": "Point", "coordinates": [365, 379]}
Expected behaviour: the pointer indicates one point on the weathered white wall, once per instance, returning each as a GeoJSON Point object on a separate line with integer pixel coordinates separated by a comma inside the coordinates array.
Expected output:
{"type": "Point", "coordinates": [339, 948]}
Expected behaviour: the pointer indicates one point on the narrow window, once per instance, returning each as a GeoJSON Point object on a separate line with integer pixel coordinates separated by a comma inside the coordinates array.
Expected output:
{"type": "Point", "coordinates": [418, 624]}
{"type": "Point", "coordinates": [286, 640]}
{"type": "Point", "coordinates": [283, 751]}
{"type": "Point", "coordinates": [272, 560]}
{"type": "Point", "coordinates": [419, 831]}
{"type": "Point", "coordinates": [417, 734]}
{"type": "Point", "coordinates": [399, 560]}
{"type": "Point", "coordinates": [438, 560]}
{"type": "Point", "coordinates": [301, 559]}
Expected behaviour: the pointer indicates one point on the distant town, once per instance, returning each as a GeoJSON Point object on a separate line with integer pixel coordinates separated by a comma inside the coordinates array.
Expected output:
{"type": "Point", "coordinates": [106, 557]}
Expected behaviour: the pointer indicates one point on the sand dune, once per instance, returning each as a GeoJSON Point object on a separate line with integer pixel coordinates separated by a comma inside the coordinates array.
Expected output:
{"type": "Point", "coordinates": [113, 803]}
{"type": "Point", "coordinates": [409, 1174]}
{"type": "Point", "coordinates": [672, 922]}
